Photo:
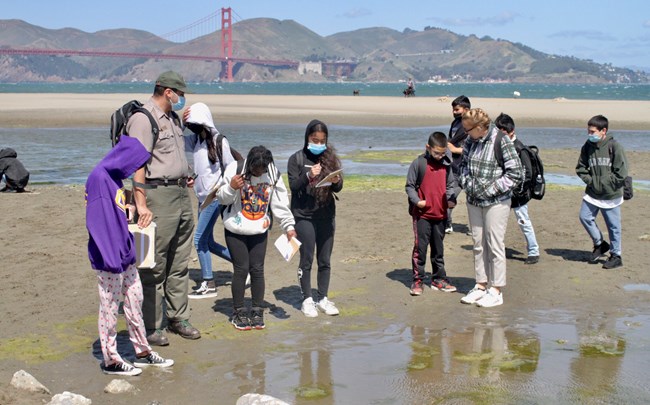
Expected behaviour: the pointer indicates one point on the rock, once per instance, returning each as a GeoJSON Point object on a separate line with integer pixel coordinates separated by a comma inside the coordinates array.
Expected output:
{"type": "Point", "coordinates": [119, 387]}
{"type": "Point", "coordinates": [259, 399]}
{"type": "Point", "coordinates": [69, 398]}
{"type": "Point", "coordinates": [25, 381]}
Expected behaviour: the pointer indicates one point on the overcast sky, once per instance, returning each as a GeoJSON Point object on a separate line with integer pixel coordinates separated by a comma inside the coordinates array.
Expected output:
{"type": "Point", "coordinates": [606, 31]}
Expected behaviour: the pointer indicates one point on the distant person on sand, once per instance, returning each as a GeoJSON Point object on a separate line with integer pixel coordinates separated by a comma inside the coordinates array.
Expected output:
{"type": "Point", "coordinates": [210, 160]}
{"type": "Point", "coordinates": [603, 167]}
{"type": "Point", "coordinates": [519, 201]}
{"type": "Point", "coordinates": [457, 137]}
{"type": "Point", "coordinates": [12, 171]}
{"type": "Point", "coordinates": [112, 253]}
{"type": "Point", "coordinates": [430, 186]}
{"type": "Point", "coordinates": [488, 187]}
{"type": "Point", "coordinates": [253, 189]}
{"type": "Point", "coordinates": [161, 191]}
{"type": "Point", "coordinates": [314, 209]}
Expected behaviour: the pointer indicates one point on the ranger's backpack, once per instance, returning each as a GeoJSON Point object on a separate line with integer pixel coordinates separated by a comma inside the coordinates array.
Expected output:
{"type": "Point", "coordinates": [121, 116]}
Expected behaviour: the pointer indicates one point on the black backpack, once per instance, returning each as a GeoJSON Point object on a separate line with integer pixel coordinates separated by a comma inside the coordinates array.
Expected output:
{"type": "Point", "coordinates": [121, 116]}
{"type": "Point", "coordinates": [238, 157]}
{"type": "Point", "coordinates": [537, 182]}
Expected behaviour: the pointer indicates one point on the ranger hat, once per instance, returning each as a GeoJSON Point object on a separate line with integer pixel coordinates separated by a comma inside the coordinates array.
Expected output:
{"type": "Point", "coordinates": [172, 80]}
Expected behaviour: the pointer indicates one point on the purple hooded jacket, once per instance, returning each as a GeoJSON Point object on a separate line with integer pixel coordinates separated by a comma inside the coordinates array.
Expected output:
{"type": "Point", "coordinates": [110, 245]}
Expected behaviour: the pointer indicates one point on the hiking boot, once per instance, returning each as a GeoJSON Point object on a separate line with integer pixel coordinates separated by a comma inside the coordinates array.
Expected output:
{"type": "Point", "coordinates": [613, 262]}
{"type": "Point", "coordinates": [442, 284]}
{"type": "Point", "coordinates": [154, 360]}
{"type": "Point", "coordinates": [240, 319]}
{"type": "Point", "coordinates": [257, 318]}
{"type": "Point", "coordinates": [121, 369]}
{"type": "Point", "coordinates": [157, 338]}
{"type": "Point", "coordinates": [531, 260]}
{"type": "Point", "coordinates": [599, 251]}
{"type": "Point", "coordinates": [207, 289]}
{"type": "Point", "coordinates": [474, 295]}
{"type": "Point", "coordinates": [184, 328]}
{"type": "Point", "coordinates": [416, 288]}
{"type": "Point", "coordinates": [491, 299]}
{"type": "Point", "coordinates": [309, 308]}
{"type": "Point", "coordinates": [327, 307]}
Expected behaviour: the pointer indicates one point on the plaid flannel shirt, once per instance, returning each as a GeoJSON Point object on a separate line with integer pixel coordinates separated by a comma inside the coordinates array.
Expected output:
{"type": "Point", "coordinates": [484, 181]}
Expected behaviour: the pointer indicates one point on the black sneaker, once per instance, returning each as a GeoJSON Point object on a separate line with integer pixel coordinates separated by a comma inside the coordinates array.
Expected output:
{"type": "Point", "coordinates": [240, 320]}
{"type": "Point", "coordinates": [531, 260]}
{"type": "Point", "coordinates": [153, 359]}
{"type": "Point", "coordinates": [613, 262]}
{"type": "Point", "coordinates": [121, 369]}
{"type": "Point", "coordinates": [599, 251]}
{"type": "Point", "coordinates": [257, 318]}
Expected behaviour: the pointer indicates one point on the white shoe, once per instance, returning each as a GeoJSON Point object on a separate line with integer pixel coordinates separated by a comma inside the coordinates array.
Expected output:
{"type": "Point", "coordinates": [491, 299]}
{"type": "Point", "coordinates": [309, 308]}
{"type": "Point", "coordinates": [449, 229]}
{"type": "Point", "coordinates": [327, 307]}
{"type": "Point", "coordinates": [474, 295]}
{"type": "Point", "coordinates": [248, 280]}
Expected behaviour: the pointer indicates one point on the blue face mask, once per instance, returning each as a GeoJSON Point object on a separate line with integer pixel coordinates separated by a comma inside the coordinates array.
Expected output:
{"type": "Point", "coordinates": [316, 149]}
{"type": "Point", "coordinates": [177, 106]}
{"type": "Point", "coordinates": [594, 138]}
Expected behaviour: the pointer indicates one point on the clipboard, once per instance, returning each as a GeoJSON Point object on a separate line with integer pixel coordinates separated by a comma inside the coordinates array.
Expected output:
{"type": "Point", "coordinates": [327, 181]}
{"type": "Point", "coordinates": [145, 245]}
{"type": "Point", "coordinates": [287, 248]}
{"type": "Point", "coordinates": [212, 195]}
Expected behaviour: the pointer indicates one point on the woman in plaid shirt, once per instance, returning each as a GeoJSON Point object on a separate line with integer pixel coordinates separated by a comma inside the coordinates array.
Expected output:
{"type": "Point", "coordinates": [488, 184]}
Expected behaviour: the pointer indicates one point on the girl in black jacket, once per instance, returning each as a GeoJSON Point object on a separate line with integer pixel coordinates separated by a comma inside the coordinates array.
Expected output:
{"type": "Point", "coordinates": [314, 210]}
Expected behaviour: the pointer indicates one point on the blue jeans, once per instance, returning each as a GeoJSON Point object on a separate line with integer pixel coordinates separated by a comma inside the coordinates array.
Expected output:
{"type": "Point", "coordinates": [612, 218]}
{"type": "Point", "coordinates": [526, 226]}
{"type": "Point", "coordinates": [204, 240]}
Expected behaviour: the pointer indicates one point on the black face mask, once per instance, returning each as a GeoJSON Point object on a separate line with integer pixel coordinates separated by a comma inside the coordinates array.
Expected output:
{"type": "Point", "coordinates": [456, 116]}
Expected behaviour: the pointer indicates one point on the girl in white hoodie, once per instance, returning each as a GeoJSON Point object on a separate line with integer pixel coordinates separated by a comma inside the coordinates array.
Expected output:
{"type": "Point", "coordinates": [252, 188]}
{"type": "Point", "coordinates": [209, 159]}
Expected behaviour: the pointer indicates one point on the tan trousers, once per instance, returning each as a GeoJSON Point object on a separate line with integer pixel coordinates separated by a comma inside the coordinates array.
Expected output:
{"type": "Point", "coordinates": [488, 225]}
{"type": "Point", "coordinates": [168, 281]}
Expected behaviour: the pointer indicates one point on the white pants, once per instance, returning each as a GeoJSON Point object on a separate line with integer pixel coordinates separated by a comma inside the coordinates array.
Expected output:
{"type": "Point", "coordinates": [488, 226]}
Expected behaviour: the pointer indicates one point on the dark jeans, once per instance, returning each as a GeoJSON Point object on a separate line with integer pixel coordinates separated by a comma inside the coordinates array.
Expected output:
{"type": "Point", "coordinates": [247, 252]}
{"type": "Point", "coordinates": [428, 232]}
{"type": "Point", "coordinates": [318, 234]}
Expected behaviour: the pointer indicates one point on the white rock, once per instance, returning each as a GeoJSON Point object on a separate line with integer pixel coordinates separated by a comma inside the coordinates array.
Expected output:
{"type": "Point", "coordinates": [25, 381]}
{"type": "Point", "coordinates": [259, 399]}
{"type": "Point", "coordinates": [69, 398]}
{"type": "Point", "coordinates": [119, 387]}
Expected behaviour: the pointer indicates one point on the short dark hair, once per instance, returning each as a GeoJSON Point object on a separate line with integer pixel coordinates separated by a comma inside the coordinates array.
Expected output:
{"type": "Point", "coordinates": [438, 139]}
{"type": "Point", "coordinates": [599, 121]}
{"type": "Point", "coordinates": [462, 101]}
{"type": "Point", "coordinates": [505, 123]}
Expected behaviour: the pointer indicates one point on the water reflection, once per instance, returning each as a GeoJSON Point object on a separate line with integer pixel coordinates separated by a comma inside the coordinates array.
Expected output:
{"type": "Point", "coordinates": [315, 377]}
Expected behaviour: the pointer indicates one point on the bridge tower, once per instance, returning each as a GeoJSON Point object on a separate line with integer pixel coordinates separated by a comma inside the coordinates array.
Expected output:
{"type": "Point", "coordinates": [226, 44]}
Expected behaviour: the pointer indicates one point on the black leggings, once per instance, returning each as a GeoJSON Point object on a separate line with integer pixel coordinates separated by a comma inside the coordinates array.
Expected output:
{"type": "Point", "coordinates": [318, 234]}
{"type": "Point", "coordinates": [247, 252]}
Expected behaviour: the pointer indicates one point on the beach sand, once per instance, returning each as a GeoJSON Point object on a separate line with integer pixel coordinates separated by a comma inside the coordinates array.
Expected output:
{"type": "Point", "coordinates": [49, 295]}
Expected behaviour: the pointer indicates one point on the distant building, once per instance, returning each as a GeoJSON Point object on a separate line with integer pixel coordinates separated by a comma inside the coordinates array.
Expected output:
{"type": "Point", "coordinates": [314, 67]}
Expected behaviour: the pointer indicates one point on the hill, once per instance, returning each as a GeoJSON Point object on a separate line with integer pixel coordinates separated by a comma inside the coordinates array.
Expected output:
{"type": "Point", "coordinates": [376, 54]}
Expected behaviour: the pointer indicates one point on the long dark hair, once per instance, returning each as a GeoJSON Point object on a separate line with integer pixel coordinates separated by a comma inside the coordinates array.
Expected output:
{"type": "Point", "coordinates": [260, 158]}
{"type": "Point", "coordinates": [328, 160]}
{"type": "Point", "coordinates": [205, 135]}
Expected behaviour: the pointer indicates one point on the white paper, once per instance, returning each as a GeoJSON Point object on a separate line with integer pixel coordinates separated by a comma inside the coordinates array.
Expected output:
{"type": "Point", "coordinates": [145, 245]}
{"type": "Point", "coordinates": [287, 248]}
{"type": "Point", "coordinates": [211, 196]}
{"type": "Point", "coordinates": [327, 180]}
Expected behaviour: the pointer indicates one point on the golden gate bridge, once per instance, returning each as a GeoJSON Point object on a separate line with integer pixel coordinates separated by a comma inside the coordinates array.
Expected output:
{"type": "Point", "coordinates": [195, 29]}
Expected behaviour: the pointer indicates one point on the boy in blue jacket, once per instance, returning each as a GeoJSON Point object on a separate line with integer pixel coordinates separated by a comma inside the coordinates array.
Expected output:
{"type": "Point", "coordinates": [111, 251]}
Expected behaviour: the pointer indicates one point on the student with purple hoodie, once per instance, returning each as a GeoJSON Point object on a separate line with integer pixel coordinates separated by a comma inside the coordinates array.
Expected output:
{"type": "Point", "coordinates": [111, 251]}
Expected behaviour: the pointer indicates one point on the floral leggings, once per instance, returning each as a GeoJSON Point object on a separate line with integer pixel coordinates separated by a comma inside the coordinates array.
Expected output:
{"type": "Point", "coordinates": [113, 287]}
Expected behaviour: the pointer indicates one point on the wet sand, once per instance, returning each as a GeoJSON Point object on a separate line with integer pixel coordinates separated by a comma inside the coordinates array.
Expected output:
{"type": "Point", "coordinates": [385, 347]}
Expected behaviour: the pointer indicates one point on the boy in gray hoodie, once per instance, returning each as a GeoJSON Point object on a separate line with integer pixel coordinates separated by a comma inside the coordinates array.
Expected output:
{"type": "Point", "coordinates": [603, 168]}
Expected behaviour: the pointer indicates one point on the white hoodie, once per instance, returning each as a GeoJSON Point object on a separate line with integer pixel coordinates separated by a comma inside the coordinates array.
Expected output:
{"type": "Point", "coordinates": [208, 174]}
{"type": "Point", "coordinates": [257, 196]}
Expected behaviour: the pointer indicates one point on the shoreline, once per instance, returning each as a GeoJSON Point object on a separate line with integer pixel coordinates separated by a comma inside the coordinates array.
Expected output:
{"type": "Point", "coordinates": [61, 110]}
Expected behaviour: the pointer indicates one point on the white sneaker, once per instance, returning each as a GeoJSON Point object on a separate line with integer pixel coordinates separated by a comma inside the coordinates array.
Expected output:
{"type": "Point", "coordinates": [474, 295]}
{"type": "Point", "coordinates": [248, 280]}
{"type": "Point", "coordinates": [327, 307]}
{"type": "Point", "coordinates": [449, 229]}
{"type": "Point", "coordinates": [491, 299]}
{"type": "Point", "coordinates": [309, 308]}
{"type": "Point", "coordinates": [207, 289]}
